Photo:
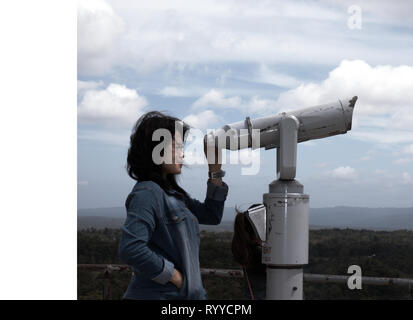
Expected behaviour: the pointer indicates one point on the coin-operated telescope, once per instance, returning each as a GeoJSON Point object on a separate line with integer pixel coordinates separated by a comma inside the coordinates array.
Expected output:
{"type": "Point", "coordinates": [282, 223]}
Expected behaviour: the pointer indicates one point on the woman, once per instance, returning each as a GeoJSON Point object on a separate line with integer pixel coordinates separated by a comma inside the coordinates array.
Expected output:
{"type": "Point", "coordinates": [246, 249]}
{"type": "Point", "coordinates": [160, 237]}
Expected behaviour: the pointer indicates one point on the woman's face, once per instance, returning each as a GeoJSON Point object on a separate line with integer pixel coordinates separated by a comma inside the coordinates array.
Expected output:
{"type": "Point", "coordinates": [177, 156]}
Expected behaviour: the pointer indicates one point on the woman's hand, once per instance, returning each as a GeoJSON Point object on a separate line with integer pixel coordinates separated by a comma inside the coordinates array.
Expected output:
{"type": "Point", "coordinates": [214, 157]}
{"type": "Point", "coordinates": [177, 279]}
{"type": "Point", "coordinates": [214, 153]}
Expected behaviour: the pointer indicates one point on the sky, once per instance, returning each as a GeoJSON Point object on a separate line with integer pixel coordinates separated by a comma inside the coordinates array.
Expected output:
{"type": "Point", "coordinates": [212, 63]}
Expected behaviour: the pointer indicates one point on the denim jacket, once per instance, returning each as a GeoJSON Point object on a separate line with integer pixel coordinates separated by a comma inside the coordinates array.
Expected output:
{"type": "Point", "coordinates": [161, 233]}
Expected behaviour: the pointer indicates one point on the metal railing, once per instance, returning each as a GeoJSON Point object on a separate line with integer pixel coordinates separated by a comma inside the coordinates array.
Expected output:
{"type": "Point", "coordinates": [107, 269]}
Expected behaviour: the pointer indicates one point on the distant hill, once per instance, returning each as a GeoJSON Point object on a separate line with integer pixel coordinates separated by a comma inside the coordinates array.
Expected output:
{"type": "Point", "coordinates": [114, 217]}
{"type": "Point", "coordinates": [116, 223]}
{"type": "Point", "coordinates": [120, 212]}
{"type": "Point", "coordinates": [363, 218]}
{"type": "Point", "coordinates": [99, 222]}
{"type": "Point", "coordinates": [335, 217]}
{"type": "Point", "coordinates": [112, 212]}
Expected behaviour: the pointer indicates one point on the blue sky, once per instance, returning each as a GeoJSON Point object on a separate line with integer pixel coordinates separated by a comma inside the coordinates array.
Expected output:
{"type": "Point", "coordinates": [216, 62]}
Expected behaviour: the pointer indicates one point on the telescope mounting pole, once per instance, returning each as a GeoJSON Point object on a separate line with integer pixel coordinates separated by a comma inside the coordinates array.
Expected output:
{"type": "Point", "coordinates": [285, 250]}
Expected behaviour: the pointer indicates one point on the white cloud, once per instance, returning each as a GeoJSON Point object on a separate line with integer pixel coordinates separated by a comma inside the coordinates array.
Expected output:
{"type": "Point", "coordinates": [382, 90]}
{"type": "Point", "coordinates": [344, 173]}
{"type": "Point", "coordinates": [261, 106]}
{"type": "Point", "coordinates": [149, 35]}
{"type": "Point", "coordinates": [385, 12]}
{"type": "Point", "coordinates": [115, 105]}
{"type": "Point", "coordinates": [407, 178]}
{"type": "Point", "coordinates": [384, 111]}
{"type": "Point", "coordinates": [266, 75]}
{"type": "Point", "coordinates": [392, 179]}
{"type": "Point", "coordinates": [98, 32]}
{"type": "Point", "coordinates": [84, 86]}
{"type": "Point", "coordinates": [204, 120]}
{"type": "Point", "coordinates": [216, 98]}
{"type": "Point", "coordinates": [222, 79]}
{"type": "Point", "coordinates": [408, 149]}
{"type": "Point", "coordinates": [402, 161]}
{"type": "Point", "coordinates": [174, 92]}
{"type": "Point", "coordinates": [88, 85]}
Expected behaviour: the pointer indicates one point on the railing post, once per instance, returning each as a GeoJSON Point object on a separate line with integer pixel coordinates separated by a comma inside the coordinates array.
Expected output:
{"type": "Point", "coordinates": [106, 285]}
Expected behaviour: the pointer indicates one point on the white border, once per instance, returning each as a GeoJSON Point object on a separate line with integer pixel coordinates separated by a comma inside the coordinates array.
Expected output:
{"type": "Point", "coordinates": [39, 151]}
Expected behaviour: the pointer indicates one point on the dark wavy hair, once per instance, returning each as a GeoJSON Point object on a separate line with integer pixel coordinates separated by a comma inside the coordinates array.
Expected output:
{"type": "Point", "coordinates": [140, 165]}
{"type": "Point", "coordinates": [243, 239]}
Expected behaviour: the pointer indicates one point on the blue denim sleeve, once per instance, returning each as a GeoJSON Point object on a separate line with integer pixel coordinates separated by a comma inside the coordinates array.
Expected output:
{"type": "Point", "coordinates": [136, 233]}
{"type": "Point", "coordinates": [211, 210]}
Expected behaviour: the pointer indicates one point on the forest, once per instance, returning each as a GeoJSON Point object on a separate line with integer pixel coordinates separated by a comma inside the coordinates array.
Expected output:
{"type": "Point", "coordinates": [331, 251]}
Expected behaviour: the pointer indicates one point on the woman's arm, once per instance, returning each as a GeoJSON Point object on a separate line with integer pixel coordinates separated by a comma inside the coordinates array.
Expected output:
{"type": "Point", "coordinates": [212, 209]}
{"type": "Point", "coordinates": [136, 233]}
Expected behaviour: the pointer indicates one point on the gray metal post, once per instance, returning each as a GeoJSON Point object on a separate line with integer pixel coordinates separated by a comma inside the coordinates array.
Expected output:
{"type": "Point", "coordinates": [285, 250]}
